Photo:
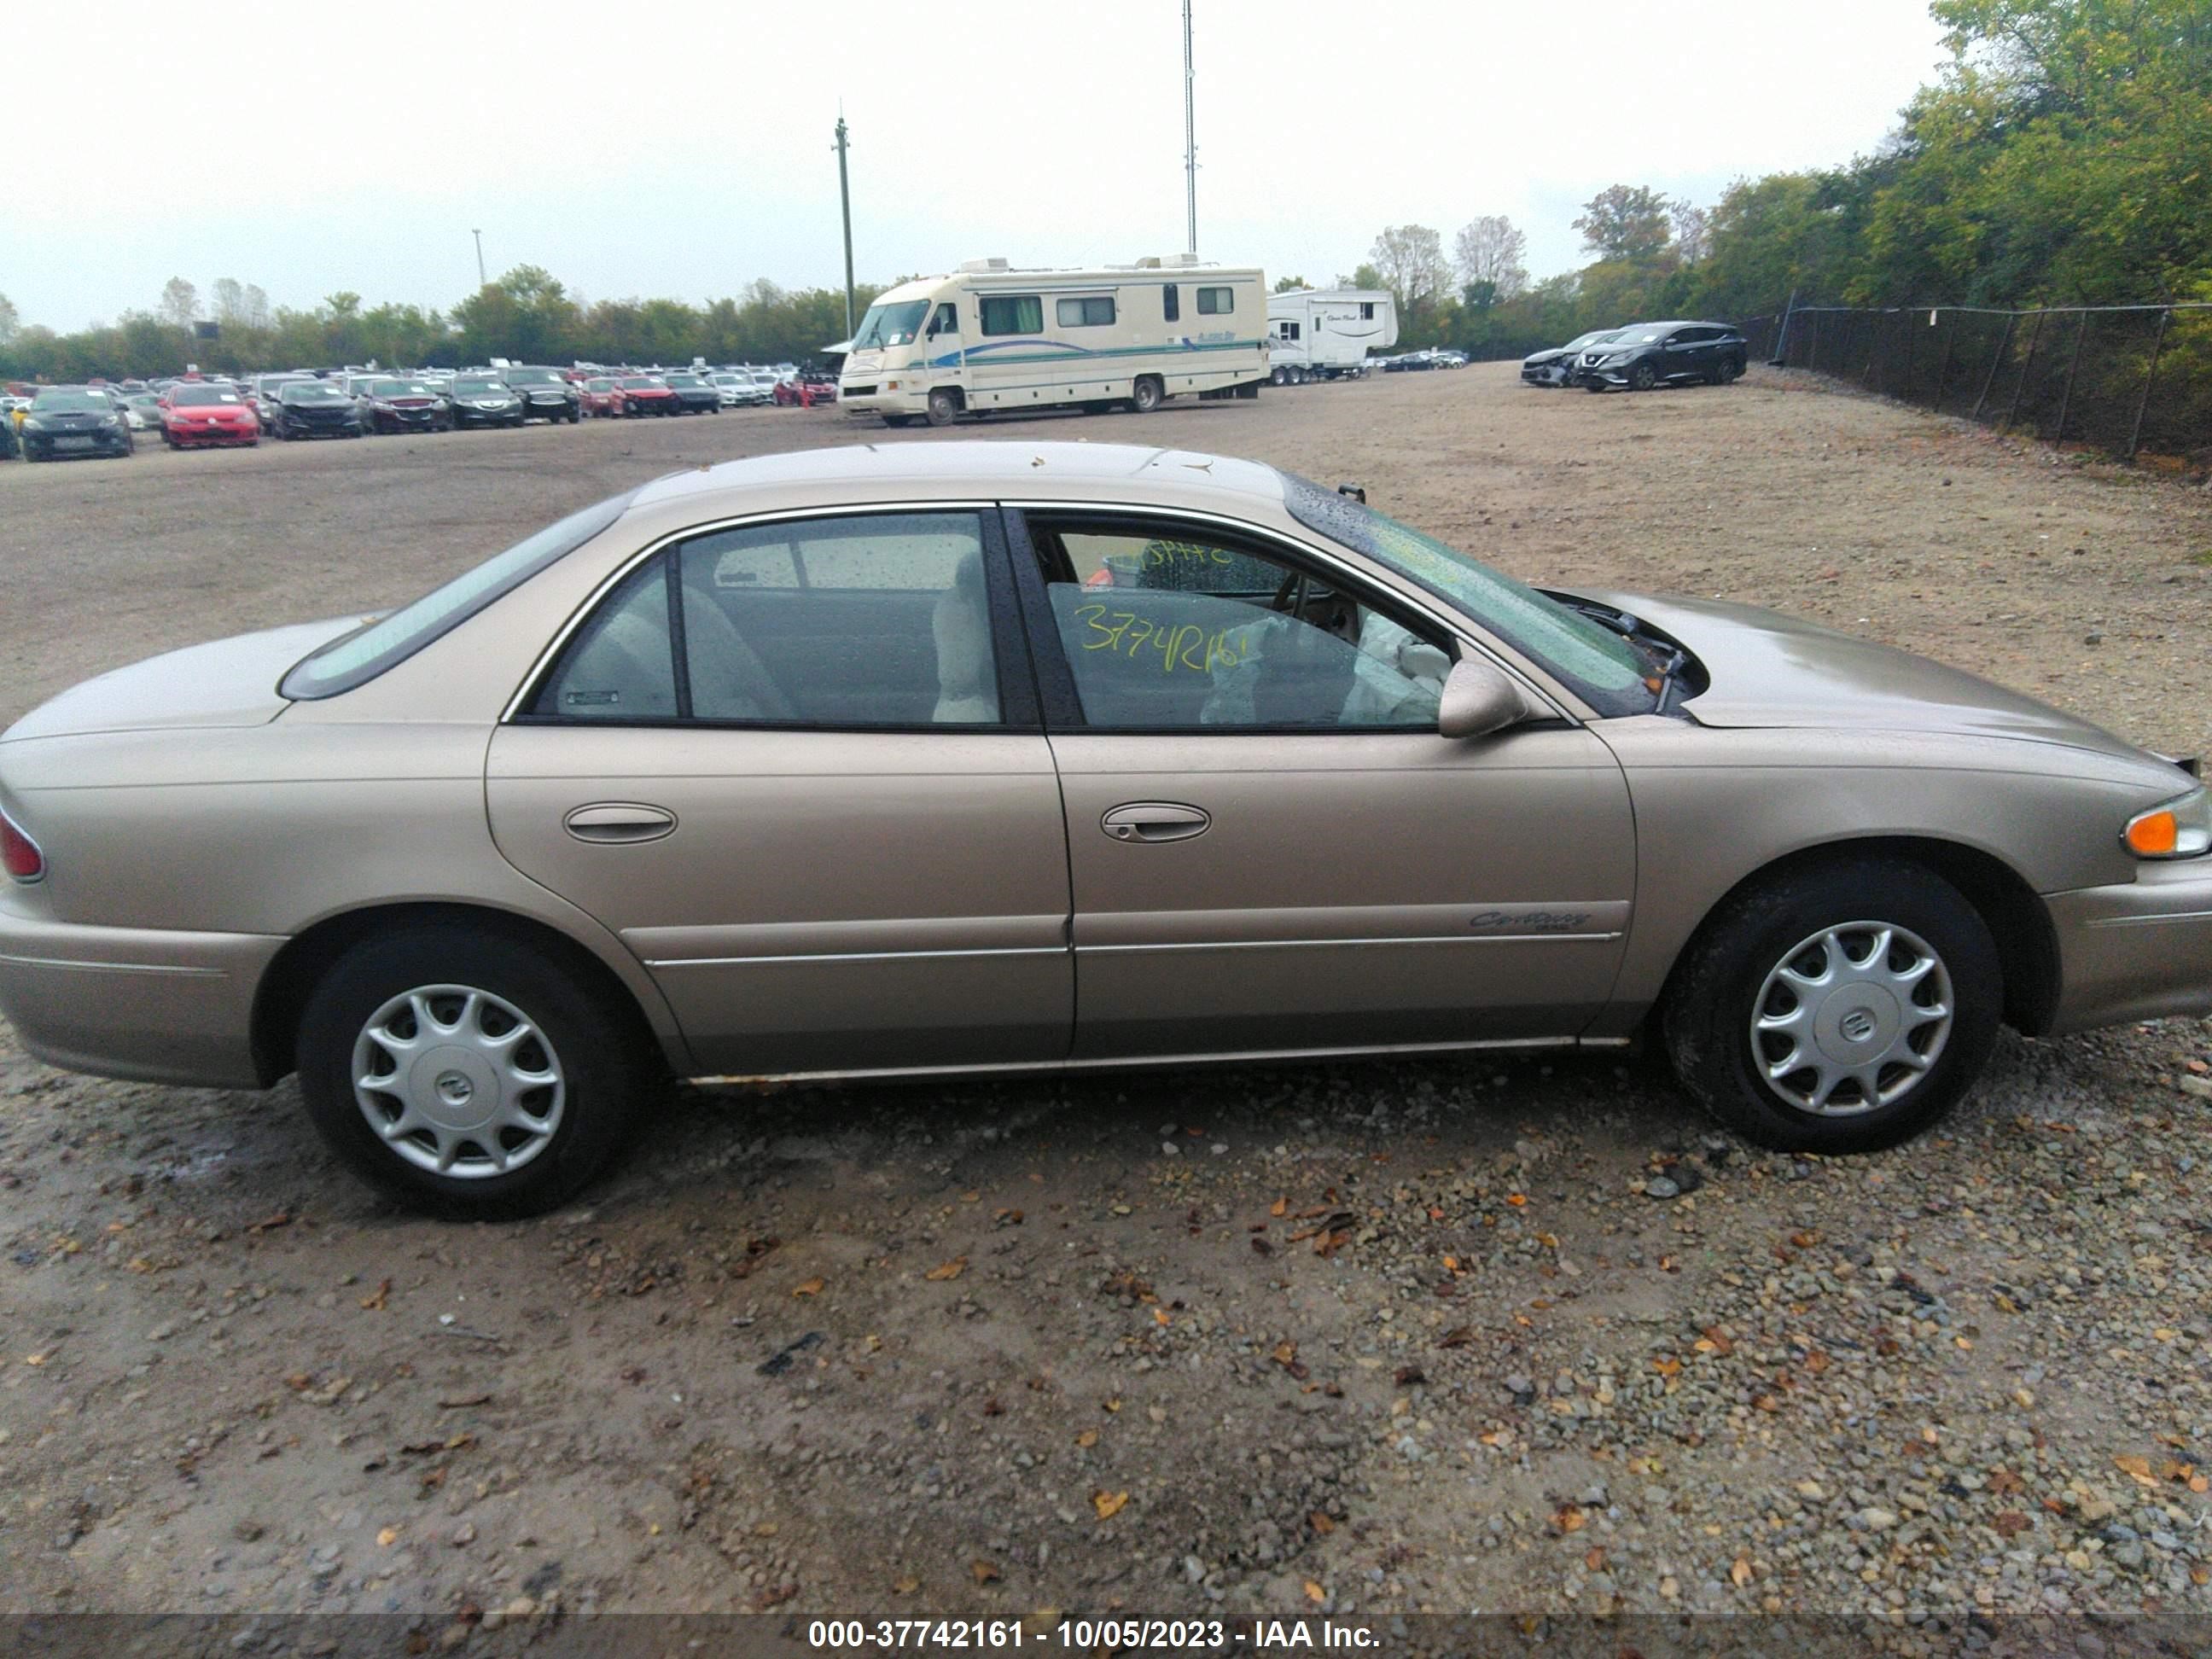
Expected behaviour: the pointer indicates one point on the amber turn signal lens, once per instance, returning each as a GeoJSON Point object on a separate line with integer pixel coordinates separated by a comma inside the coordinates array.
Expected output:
{"type": "Point", "coordinates": [2155, 835]}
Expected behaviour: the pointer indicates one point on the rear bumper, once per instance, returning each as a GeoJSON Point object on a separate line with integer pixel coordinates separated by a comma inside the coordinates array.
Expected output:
{"type": "Point", "coordinates": [2140, 951]}
{"type": "Point", "coordinates": [132, 1002]}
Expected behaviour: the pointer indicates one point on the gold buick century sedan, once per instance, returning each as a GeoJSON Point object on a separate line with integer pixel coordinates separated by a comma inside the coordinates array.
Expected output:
{"type": "Point", "coordinates": [993, 757]}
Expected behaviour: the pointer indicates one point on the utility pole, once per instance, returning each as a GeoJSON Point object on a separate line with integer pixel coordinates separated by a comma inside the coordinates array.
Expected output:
{"type": "Point", "coordinates": [1189, 129]}
{"type": "Point", "coordinates": [845, 202]}
{"type": "Point", "coordinates": [481, 280]}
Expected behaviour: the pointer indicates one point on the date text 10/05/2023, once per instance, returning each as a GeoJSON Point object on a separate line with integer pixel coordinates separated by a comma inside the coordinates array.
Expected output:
{"type": "Point", "coordinates": [1092, 1634]}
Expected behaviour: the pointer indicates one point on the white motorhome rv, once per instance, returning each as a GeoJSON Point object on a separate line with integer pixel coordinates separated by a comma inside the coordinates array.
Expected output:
{"type": "Point", "coordinates": [1324, 333]}
{"type": "Point", "coordinates": [990, 337]}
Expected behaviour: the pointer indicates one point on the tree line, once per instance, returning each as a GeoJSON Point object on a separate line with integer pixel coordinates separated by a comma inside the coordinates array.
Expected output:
{"type": "Point", "coordinates": [526, 314]}
{"type": "Point", "coordinates": [2063, 156]}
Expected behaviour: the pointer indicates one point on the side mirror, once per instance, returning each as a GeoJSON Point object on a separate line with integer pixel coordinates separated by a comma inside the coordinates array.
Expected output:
{"type": "Point", "coordinates": [1479, 699]}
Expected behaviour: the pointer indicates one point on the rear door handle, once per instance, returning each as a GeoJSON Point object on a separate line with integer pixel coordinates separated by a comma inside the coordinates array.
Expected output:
{"type": "Point", "coordinates": [619, 821]}
{"type": "Point", "coordinates": [1155, 820]}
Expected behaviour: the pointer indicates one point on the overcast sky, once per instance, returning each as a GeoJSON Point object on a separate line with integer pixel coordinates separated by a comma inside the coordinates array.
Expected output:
{"type": "Point", "coordinates": [683, 148]}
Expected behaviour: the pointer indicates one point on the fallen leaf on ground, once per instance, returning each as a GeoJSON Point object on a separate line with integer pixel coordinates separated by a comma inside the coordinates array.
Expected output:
{"type": "Point", "coordinates": [1570, 1518]}
{"type": "Point", "coordinates": [811, 1287]}
{"type": "Point", "coordinates": [985, 1572]}
{"type": "Point", "coordinates": [1108, 1505]}
{"type": "Point", "coordinates": [1320, 1523]}
{"type": "Point", "coordinates": [374, 1300]}
{"type": "Point", "coordinates": [1087, 1439]}
{"type": "Point", "coordinates": [950, 1270]}
{"type": "Point", "coordinates": [459, 1401]}
{"type": "Point", "coordinates": [2008, 1522]}
{"type": "Point", "coordinates": [387, 1537]}
{"type": "Point", "coordinates": [1315, 1592]}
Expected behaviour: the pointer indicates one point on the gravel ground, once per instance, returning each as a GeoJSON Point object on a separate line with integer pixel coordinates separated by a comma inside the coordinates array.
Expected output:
{"type": "Point", "coordinates": [1463, 1335]}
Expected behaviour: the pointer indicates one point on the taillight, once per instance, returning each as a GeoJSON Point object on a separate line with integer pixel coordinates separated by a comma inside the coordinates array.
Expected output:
{"type": "Point", "coordinates": [19, 853]}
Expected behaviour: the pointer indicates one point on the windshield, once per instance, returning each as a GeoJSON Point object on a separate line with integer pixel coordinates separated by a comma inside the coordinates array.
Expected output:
{"type": "Point", "coordinates": [1602, 667]}
{"type": "Point", "coordinates": [531, 377]}
{"type": "Point", "coordinates": [891, 324]}
{"type": "Point", "coordinates": [367, 652]}
{"type": "Point", "coordinates": [683, 379]}
{"type": "Point", "coordinates": [640, 383]}
{"type": "Point", "coordinates": [400, 389]}
{"type": "Point", "coordinates": [1638, 334]}
{"type": "Point", "coordinates": [313, 392]}
{"type": "Point", "coordinates": [478, 388]}
{"type": "Point", "coordinates": [186, 396]}
{"type": "Point", "coordinates": [68, 400]}
{"type": "Point", "coordinates": [598, 386]}
{"type": "Point", "coordinates": [1595, 337]}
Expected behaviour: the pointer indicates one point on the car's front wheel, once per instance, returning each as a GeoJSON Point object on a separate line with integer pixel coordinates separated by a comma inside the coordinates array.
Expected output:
{"type": "Point", "coordinates": [1841, 1009]}
{"type": "Point", "coordinates": [465, 1072]}
{"type": "Point", "coordinates": [1642, 378]}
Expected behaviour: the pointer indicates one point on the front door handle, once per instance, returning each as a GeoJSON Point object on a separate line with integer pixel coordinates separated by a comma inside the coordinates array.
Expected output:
{"type": "Point", "coordinates": [619, 820]}
{"type": "Point", "coordinates": [1155, 820]}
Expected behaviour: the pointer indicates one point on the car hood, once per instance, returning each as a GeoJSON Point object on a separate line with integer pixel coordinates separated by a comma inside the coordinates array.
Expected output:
{"type": "Point", "coordinates": [1770, 671]}
{"type": "Point", "coordinates": [1550, 356]}
{"type": "Point", "coordinates": [229, 682]}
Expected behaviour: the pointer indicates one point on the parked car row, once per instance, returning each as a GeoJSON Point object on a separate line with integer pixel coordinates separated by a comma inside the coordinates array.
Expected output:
{"type": "Point", "coordinates": [1414, 361]}
{"type": "Point", "coordinates": [52, 422]}
{"type": "Point", "coordinates": [1641, 355]}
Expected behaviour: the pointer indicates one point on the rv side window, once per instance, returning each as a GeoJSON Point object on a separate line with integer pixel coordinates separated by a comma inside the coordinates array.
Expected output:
{"type": "Point", "coordinates": [1085, 312]}
{"type": "Point", "coordinates": [1294, 328]}
{"type": "Point", "coordinates": [1013, 313]}
{"type": "Point", "coordinates": [948, 319]}
{"type": "Point", "coordinates": [1171, 303]}
{"type": "Point", "coordinates": [1216, 302]}
{"type": "Point", "coordinates": [1367, 311]}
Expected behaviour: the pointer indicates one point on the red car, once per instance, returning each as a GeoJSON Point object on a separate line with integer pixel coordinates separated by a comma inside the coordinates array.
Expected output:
{"type": "Point", "coordinates": [603, 396]}
{"type": "Point", "coordinates": [806, 388]}
{"type": "Point", "coordinates": [641, 394]}
{"type": "Point", "coordinates": [196, 413]}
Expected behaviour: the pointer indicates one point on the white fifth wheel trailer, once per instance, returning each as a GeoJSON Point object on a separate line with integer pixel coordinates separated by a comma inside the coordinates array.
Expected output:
{"type": "Point", "coordinates": [991, 337]}
{"type": "Point", "coordinates": [1322, 334]}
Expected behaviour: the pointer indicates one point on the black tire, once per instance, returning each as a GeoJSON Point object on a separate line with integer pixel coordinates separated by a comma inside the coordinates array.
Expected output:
{"type": "Point", "coordinates": [1720, 984]}
{"type": "Point", "coordinates": [1147, 394]}
{"type": "Point", "coordinates": [943, 407]}
{"type": "Point", "coordinates": [1642, 378]}
{"type": "Point", "coordinates": [1729, 368]}
{"type": "Point", "coordinates": [610, 1074]}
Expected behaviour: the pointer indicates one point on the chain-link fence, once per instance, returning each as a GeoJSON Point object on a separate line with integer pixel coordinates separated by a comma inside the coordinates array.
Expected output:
{"type": "Point", "coordinates": [2132, 381]}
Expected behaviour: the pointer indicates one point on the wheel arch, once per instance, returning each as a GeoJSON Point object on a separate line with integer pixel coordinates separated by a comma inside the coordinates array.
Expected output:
{"type": "Point", "coordinates": [2016, 915]}
{"type": "Point", "coordinates": [293, 974]}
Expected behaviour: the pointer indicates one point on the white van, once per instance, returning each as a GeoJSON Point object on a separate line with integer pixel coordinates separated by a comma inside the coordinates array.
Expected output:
{"type": "Point", "coordinates": [1320, 334]}
{"type": "Point", "coordinates": [992, 337]}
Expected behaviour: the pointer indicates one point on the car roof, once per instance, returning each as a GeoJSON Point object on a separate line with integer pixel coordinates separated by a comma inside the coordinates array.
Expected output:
{"type": "Point", "coordinates": [991, 467]}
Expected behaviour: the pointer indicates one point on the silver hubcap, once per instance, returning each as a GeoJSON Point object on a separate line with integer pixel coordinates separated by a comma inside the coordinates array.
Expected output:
{"type": "Point", "coordinates": [459, 1081]}
{"type": "Point", "coordinates": [1852, 1018]}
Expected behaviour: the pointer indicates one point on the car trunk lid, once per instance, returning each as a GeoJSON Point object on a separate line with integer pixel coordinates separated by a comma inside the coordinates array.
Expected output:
{"type": "Point", "coordinates": [229, 682]}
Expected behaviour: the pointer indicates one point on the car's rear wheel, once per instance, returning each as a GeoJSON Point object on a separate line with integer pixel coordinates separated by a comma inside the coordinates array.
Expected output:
{"type": "Point", "coordinates": [1843, 1009]}
{"type": "Point", "coordinates": [463, 1072]}
{"type": "Point", "coordinates": [1642, 378]}
{"type": "Point", "coordinates": [1729, 369]}
{"type": "Point", "coordinates": [1147, 394]}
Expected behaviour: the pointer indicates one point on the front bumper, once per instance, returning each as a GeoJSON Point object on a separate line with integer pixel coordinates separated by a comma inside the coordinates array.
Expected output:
{"type": "Point", "coordinates": [549, 409]}
{"type": "Point", "coordinates": [50, 445]}
{"type": "Point", "coordinates": [133, 1002]}
{"type": "Point", "coordinates": [2139, 951]}
{"type": "Point", "coordinates": [196, 436]}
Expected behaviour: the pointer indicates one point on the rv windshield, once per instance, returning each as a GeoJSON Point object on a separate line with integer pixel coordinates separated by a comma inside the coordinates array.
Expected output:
{"type": "Point", "coordinates": [891, 326]}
